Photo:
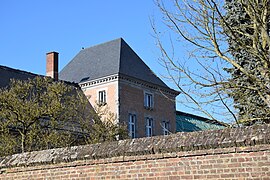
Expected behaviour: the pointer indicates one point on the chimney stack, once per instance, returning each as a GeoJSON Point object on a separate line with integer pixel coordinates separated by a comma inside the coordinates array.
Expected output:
{"type": "Point", "coordinates": [52, 65]}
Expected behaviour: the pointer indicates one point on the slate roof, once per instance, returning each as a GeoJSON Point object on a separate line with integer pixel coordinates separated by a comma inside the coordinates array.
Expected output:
{"type": "Point", "coordinates": [113, 57]}
{"type": "Point", "coordinates": [7, 73]}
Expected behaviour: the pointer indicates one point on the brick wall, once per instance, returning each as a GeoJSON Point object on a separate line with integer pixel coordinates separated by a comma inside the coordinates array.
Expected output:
{"type": "Point", "coordinates": [239, 153]}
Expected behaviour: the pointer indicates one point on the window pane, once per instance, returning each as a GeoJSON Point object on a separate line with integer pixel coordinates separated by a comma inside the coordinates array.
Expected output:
{"type": "Point", "coordinates": [102, 96]}
{"type": "Point", "coordinates": [99, 96]}
{"type": "Point", "coordinates": [165, 126]}
{"type": "Point", "coordinates": [148, 100]}
{"type": "Point", "coordinates": [149, 126]}
{"type": "Point", "coordinates": [132, 125]}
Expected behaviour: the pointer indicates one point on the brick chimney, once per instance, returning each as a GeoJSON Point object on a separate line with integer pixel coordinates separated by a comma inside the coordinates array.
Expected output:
{"type": "Point", "coordinates": [52, 65]}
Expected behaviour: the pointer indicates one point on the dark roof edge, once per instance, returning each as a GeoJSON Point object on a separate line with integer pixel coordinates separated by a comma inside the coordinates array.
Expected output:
{"type": "Point", "coordinates": [18, 70]}
{"type": "Point", "coordinates": [120, 51]}
{"type": "Point", "coordinates": [33, 74]}
{"type": "Point", "coordinates": [203, 118]}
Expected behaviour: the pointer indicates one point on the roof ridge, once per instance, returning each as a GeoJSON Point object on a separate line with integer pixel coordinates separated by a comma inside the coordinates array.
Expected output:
{"type": "Point", "coordinates": [120, 38]}
{"type": "Point", "coordinates": [144, 64]}
{"type": "Point", "coordinates": [17, 70]}
{"type": "Point", "coordinates": [120, 52]}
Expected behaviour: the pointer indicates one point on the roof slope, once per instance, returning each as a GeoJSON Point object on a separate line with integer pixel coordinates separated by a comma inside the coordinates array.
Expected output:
{"type": "Point", "coordinates": [7, 73]}
{"type": "Point", "coordinates": [113, 57]}
{"type": "Point", "coordinates": [186, 122]}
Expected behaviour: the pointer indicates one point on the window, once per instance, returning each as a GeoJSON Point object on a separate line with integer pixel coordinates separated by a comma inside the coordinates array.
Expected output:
{"type": "Point", "coordinates": [102, 97]}
{"type": "Point", "coordinates": [149, 127]}
{"type": "Point", "coordinates": [165, 127]}
{"type": "Point", "coordinates": [132, 125]}
{"type": "Point", "coordinates": [148, 100]}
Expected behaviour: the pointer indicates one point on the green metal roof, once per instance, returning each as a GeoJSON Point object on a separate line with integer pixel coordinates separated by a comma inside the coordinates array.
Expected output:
{"type": "Point", "coordinates": [186, 122]}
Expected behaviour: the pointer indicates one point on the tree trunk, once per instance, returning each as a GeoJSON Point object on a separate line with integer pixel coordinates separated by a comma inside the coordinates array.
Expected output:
{"type": "Point", "coordinates": [23, 141]}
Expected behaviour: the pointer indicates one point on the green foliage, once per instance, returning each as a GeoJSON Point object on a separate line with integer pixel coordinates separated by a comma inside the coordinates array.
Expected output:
{"type": "Point", "coordinates": [104, 127]}
{"type": "Point", "coordinates": [8, 144]}
{"type": "Point", "coordinates": [41, 113]}
{"type": "Point", "coordinates": [249, 101]}
{"type": "Point", "coordinates": [32, 111]}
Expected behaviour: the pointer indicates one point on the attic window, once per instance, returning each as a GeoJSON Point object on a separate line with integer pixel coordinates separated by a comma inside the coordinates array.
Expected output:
{"type": "Point", "coordinates": [84, 79]}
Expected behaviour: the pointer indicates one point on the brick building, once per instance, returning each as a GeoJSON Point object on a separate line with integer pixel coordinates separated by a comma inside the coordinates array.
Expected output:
{"type": "Point", "coordinates": [113, 75]}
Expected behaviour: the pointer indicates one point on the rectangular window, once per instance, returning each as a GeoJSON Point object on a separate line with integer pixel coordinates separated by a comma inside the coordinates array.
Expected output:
{"type": "Point", "coordinates": [102, 97]}
{"type": "Point", "coordinates": [148, 100]}
{"type": "Point", "coordinates": [132, 125]}
{"type": "Point", "coordinates": [165, 127]}
{"type": "Point", "coordinates": [149, 127]}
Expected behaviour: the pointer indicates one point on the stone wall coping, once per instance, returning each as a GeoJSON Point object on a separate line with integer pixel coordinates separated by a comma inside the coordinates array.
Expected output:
{"type": "Point", "coordinates": [173, 144]}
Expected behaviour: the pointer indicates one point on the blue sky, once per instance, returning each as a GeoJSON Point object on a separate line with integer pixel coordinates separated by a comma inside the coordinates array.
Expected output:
{"type": "Point", "coordinates": [31, 28]}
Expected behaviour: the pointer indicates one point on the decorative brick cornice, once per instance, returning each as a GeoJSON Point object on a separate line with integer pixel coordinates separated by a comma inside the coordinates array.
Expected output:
{"type": "Point", "coordinates": [148, 85]}
{"type": "Point", "coordinates": [95, 82]}
{"type": "Point", "coordinates": [108, 79]}
{"type": "Point", "coordinates": [215, 141]}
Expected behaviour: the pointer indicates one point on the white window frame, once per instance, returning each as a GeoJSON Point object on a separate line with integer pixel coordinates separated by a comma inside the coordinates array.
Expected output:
{"type": "Point", "coordinates": [148, 100]}
{"type": "Point", "coordinates": [166, 128]}
{"type": "Point", "coordinates": [102, 98]}
{"type": "Point", "coordinates": [132, 125]}
{"type": "Point", "coordinates": [149, 127]}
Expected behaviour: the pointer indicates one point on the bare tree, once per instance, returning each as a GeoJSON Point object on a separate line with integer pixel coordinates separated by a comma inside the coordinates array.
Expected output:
{"type": "Point", "coordinates": [202, 27]}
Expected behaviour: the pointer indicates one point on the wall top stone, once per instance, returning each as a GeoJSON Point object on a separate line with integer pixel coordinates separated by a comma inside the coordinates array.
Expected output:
{"type": "Point", "coordinates": [179, 142]}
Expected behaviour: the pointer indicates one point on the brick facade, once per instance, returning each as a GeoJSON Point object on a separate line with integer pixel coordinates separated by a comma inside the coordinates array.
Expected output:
{"type": "Point", "coordinates": [240, 153]}
{"type": "Point", "coordinates": [111, 95]}
{"type": "Point", "coordinates": [125, 96]}
{"type": "Point", "coordinates": [132, 101]}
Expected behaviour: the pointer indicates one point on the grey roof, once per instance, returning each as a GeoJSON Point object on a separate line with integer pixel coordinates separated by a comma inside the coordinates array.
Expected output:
{"type": "Point", "coordinates": [7, 73]}
{"type": "Point", "coordinates": [113, 57]}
